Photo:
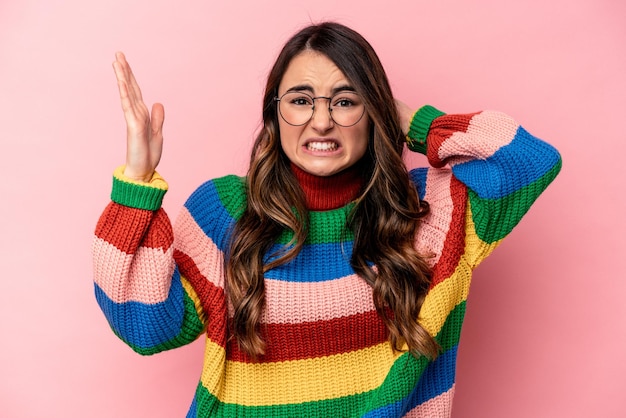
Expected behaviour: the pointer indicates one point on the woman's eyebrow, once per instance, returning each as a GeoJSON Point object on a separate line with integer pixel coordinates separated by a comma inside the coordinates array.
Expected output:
{"type": "Point", "coordinates": [308, 88]}
{"type": "Point", "coordinates": [301, 87]}
{"type": "Point", "coordinates": [343, 87]}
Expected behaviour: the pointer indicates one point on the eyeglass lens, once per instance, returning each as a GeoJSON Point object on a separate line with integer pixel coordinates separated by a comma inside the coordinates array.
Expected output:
{"type": "Point", "coordinates": [296, 108]}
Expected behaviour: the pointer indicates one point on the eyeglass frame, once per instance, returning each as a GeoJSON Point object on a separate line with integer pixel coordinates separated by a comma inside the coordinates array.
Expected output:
{"type": "Point", "coordinates": [330, 110]}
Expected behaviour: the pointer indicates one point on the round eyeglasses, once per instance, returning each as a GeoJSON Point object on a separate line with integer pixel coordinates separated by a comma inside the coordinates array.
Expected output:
{"type": "Point", "coordinates": [346, 108]}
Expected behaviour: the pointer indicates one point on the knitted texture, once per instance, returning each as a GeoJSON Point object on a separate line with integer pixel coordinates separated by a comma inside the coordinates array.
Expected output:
{"type": "Point", "coordinates": [419, 127]}
{"type": "Point", "coordinates": [330, 192]}
{"type": "Point", "coordinates": [328, 353]}
{"type": "Point", "coordinates": [129, 192]}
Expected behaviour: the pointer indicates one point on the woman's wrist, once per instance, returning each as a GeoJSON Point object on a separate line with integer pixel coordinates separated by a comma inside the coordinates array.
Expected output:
{"type": "Point", "coordinates": [419, 127]}
{"type": "Point", "coordinates": [138, 194]}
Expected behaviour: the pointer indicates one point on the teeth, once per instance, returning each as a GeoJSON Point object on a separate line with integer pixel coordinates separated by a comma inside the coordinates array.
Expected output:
{"type": "Point", "coordinates": [321, 146]}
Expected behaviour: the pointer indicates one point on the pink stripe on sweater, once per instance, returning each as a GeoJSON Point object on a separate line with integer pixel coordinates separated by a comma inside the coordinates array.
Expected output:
{"type": "Point", "coordinates": [316, 301]}
{"type": "Point", "coordinates": [437, 407]}
{"type": "Point", "coordinates": [143, 277]}
{"type": "Point", "coordinates": [432, 232]}
{"type": "Point", "coordinates": [487, 132]}
{"type": "Point", "coordinates": [191, 240]}
{"type": "Point", "coordinates": [309, 301]}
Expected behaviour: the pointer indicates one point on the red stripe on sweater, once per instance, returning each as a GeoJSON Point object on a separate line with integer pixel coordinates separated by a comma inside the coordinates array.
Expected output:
{"type": "Point", "coordinates": [316, 339]}
{"type": "Point", "coordinates": [211, 297]}
{"type": "Point", "coordinates": [454, 245]}
{"type": "Point", "coordinates": [128, 228]}
{"type": "Point", "coordinates": [441, 129]}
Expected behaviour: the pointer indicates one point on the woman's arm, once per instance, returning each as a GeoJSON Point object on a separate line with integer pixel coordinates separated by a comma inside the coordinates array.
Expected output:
{"type": "Point", "coordinates": [503, 167]}
{"type": "Point", "coordinates": [137, 283]}
{"type": "Point", "coordinates": [138, 286]}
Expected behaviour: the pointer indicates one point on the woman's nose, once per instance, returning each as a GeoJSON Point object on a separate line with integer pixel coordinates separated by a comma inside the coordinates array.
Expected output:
{"type": "Point", "coordinates": [322, 119]}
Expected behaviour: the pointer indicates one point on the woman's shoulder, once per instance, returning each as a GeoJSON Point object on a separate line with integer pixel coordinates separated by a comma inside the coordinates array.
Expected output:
{"type": "Point", "coordinates": [227, 192]}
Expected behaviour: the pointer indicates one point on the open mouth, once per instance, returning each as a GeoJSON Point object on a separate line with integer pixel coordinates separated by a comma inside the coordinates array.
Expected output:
{"type": "Point", "coordinates": [322, 146]}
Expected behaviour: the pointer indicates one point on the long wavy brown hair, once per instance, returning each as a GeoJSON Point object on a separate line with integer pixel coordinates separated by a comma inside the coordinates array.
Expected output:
{"type": "Point", "coordinates": [384, 220]}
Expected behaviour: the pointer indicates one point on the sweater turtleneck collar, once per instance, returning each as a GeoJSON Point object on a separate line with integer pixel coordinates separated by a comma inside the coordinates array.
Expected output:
{"type": "Point", "coordinates": [329, 192]}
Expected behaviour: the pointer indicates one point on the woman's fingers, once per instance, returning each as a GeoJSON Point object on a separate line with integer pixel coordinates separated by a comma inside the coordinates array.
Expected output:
{"type": "Point", "coordinates": [125, 78]}
{"type": "Point", "coordinates": [129, 76]}
{"type": "Point", "coordinates": [122, 86]}
{"type": "Point", "coordinates": [144, 128]}
{"type": "Point", "coordinates": [406, 114]}
{"type": "Point", "coordinates": [135, 111]}
{"type": "Point", "coordinates": [157, 118]}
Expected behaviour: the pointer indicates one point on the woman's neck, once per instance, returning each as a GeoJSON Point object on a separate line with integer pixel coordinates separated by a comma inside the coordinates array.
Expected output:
{"type": "Point", "coordinates": [331, 192]}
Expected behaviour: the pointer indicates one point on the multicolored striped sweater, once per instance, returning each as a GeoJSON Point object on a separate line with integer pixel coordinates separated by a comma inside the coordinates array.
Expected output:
{"type": "Point", "coordinates": [328, 353]}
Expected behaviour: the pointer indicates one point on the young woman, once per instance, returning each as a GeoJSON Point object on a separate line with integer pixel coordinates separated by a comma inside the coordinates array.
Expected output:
{"type": "Point", "coordinates": [323, 282]}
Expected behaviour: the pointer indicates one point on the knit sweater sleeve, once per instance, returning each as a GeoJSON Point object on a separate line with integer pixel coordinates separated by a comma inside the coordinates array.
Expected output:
{"type": "Point", "coordinates": [503, 168]}
{"type": "Point", "coordinates": [140, 289]}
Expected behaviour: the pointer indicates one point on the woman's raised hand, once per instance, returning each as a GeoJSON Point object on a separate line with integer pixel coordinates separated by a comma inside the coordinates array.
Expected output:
{"type": "Point", "coordinates": [406, 114]}
{"type": "Point", "coordinates": [144, 129]}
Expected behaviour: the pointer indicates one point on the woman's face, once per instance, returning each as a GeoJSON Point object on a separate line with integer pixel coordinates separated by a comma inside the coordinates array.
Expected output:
{"type": "Point", "coordinates": [320, 146]}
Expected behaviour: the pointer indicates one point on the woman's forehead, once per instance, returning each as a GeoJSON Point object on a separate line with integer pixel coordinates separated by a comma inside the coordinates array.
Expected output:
{"type": "Point", "coordinates": [313, 72]}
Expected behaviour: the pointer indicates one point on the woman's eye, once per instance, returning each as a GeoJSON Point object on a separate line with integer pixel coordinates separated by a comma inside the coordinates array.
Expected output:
{"type": "Point", "coordinates": [345, 99]}
{"type": "Point", "coordinates": [343, 103]}
{"type": "Point", "coordinates": [301, 101]}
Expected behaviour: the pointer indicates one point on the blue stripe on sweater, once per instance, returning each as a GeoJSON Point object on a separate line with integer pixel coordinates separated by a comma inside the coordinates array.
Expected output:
{"type": "Point", "coordinates": [212, 217]}
{"type": "Point", "coordinates": [487, 178]}
{"type": "Point", "coordinates": [193, 413]}
{"type": "Point", "coordinates": [438, 378]}
{"type": "Point", "coordinates": [146, 325]}
{"type": "Point", "coordinates": [315, 263]}
{"type": "Point", "coordinates": [418, 177]}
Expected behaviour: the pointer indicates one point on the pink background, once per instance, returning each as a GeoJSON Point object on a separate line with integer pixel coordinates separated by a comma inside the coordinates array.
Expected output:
{"type": "Point", "coordinates": [545, 334]}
